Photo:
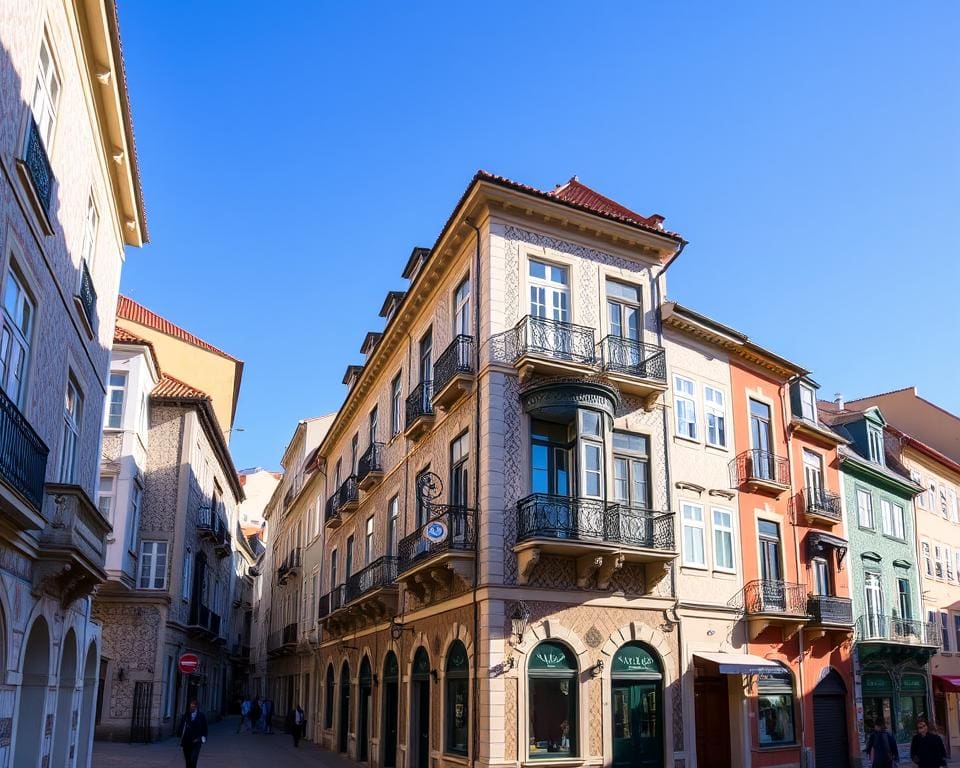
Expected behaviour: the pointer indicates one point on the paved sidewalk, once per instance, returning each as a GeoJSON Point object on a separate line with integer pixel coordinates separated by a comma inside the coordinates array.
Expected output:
{"type": "Point", "coordinates": [225, 748]}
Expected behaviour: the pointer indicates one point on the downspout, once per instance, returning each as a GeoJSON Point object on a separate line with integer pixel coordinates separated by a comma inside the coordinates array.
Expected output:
{"type": "Point", "coordinates": [476, 498]}
{"type": "Point", "coordinates": [784, 414]}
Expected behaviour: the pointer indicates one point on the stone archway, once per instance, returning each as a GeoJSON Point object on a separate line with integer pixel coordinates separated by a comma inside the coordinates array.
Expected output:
{"type": "Point", "coordinates": [32, 698]}
{"type": "Point", "coordinates": [87, 706]}
{"type": "Point", "coordinates": [67, 679]}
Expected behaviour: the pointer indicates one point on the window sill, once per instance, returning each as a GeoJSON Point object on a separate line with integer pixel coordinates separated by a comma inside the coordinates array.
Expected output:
{"type": "Point", "coordinates": [688, 440]}
{"type": "Point", "coordinates": [724, 574]}
{"type": "Point", "coordinates": [455, 758]}
{"type": "Point", "coordinates": [866, 528]}
{"type": "Point", "coordinates": [559, 761]}
{"type": "Point", "coordinates": [717, 448]}
{"type": "Point", "coordinates": [694, 567]}
{"type": "Point", "coordinates": [894, 538]}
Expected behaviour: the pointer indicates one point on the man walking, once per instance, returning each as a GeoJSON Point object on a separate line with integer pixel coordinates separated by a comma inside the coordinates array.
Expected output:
{"type": "Point", "coordinates": [881, 746]}
{"type": "Point", "coordinates": [927, 749]}
{"type": "Point", "coordinates": [296, 722]}
{"type": "Point", "coordinates": [267, 715]}
{"type": "Point", "coordinates": [245, 715]}
{"type": "Point", "coordinates": [193, 734]}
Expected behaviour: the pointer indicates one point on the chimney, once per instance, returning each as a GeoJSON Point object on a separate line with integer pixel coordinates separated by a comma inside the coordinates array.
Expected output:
{"type": "Point", "coordinates": [838, 400]}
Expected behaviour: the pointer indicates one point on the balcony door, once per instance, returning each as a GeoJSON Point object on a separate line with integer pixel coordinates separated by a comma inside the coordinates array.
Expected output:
{"type": "Point", "coordinates": [549, 300]}
{"type": "Point", "coordinates": [761, 440]}
{"type": "Point", "coordinates": [550, 463]}
{"type": "Point", "coordinates": [813, 477]}
{"type": "Point", "coordinates": [623, 314]}
{"type": "Point", "coordinates": [771, 568]}
{"type": "Point", "coordinates": [426, 362]}
{"type": "Point", "coordinates": [874, 601]}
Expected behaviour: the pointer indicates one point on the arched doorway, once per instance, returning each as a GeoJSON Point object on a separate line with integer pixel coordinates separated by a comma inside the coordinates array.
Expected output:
{"type": "Point", "coordinates": [63, 725]}
{"type": "Point", "coordinates": [420, 710]}
{"type": "Point", "coordinates": [553, 694]}
{"type": "Point", "coordinates": [365, 691]}
{"type": "Point", "coordinates": [636, 682]}
{"type": "Point", "coordinates": [830, 722]}
{"type": "Point", "coordinates": [456, 700]}
{"type": "Point", "coordinates": [391, 705]}
{"type": "Point", "coordinates": [87, 706]}
{"type": "Point", "coordinates": [344, 724]}
{"type": "Point", "coordinates": [36, 675]}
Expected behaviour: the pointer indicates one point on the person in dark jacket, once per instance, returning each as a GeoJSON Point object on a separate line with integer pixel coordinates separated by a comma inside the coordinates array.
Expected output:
{"type": "Point", "coordinates": [881, 746]}
{"type": "Point", "coordinates": [926, 748]}
{"type": "Point", "coordinates": [296, 724]}
{"type": "Point", "coordinates": [193, 734]}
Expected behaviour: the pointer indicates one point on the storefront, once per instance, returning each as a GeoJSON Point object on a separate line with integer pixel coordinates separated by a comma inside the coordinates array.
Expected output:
{"type": "Point", "coordinates": [637, 707]}
{"type": "Point", "coordinates": [553, 690]}
{"type": "Point", "coordinates": [896, 706]}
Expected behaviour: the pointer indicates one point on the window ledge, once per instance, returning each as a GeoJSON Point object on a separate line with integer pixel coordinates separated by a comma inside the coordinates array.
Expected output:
{"type": "Point", "coordinates": [777, 747]}
{"type": "Point", "coordinates": [717, 448]}
{"type": "Point", "coordinates": [688, 440]}
{"type": "Point", "coordinates": [559, 761]}
{"type": "Point", "coordinates": [452, 757]}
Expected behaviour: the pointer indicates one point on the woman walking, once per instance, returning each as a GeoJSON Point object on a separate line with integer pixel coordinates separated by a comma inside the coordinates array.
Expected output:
{"type": "Point", "coordinates": [926, 748]}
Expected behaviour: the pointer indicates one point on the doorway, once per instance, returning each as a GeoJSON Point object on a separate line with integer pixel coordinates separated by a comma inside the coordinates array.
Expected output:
{"type": "Point", "coordinates": [830, 722]}
{"type": "Point", "coordinates": [773, 597]}
{"type": "Point", "coordinates": [712, 720]}
{"type": "Point", "coordinates": [68, 683]}
{"type": "Point", "coordinates": [637, 708]}
{"type": "Point", "coordinates": [365, 686]}
{"type": "Point", "coordinates": [420, 710]}
{"type": "Point", "coordinates": [33, 689]}
{"type": "Point", "coordinates": [344, 724]}
{"type": "Point", "coordinates": [391, 706]}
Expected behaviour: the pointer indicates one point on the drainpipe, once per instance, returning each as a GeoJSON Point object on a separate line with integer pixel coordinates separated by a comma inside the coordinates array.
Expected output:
{"type": "Point", "coordinates": [476, 497]}
{"type": "Point", "coordinates": [784, 412]}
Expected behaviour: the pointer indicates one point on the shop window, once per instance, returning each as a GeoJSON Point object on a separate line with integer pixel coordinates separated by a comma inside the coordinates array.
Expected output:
{"type": "Point", "coordinates": [913, 703]}
{"type": "Point", "coordinates": [552, 701]}
{"type": "Point", "coordinates": [457, 709]}
{"type": "Point", "coordinates": [328, 699]}
{"type": "Point", "coordinates": [775, 709]}
{"type": "Point", "coordinates": [877, 699]}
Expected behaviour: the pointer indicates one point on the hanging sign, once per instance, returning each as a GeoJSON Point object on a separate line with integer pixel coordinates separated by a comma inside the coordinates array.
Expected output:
{"type": "Point", "coordinates": [189, 663]}
{"type": "Point", "coordinates": [435, 532]}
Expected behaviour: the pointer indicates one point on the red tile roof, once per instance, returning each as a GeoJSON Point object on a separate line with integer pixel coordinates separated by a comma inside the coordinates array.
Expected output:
{"type": "Point", "coordinates": [123, 336]}
{"type": "Point", "coordinates": [170, 387]}
{"type": "Point", "coordinates": [128, 309]}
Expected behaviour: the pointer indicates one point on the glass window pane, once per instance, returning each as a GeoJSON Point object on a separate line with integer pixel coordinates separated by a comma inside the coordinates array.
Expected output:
{"type": "Point", "coordinates": [553, 718]}
{"type": "Point", "coordinates": [590, 423]}
{"type": "Point", "coordinates": [538, 269]}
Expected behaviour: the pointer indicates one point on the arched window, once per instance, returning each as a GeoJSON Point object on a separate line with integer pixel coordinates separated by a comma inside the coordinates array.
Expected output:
{"type": "Point", "coordinates": [552, 702]}
{"type": "Point", "coordinates": [328, 699]}
{"type": "Point", "coordinates": [456, 701]}
{"type": "Point", "coordinates": [775, 708]}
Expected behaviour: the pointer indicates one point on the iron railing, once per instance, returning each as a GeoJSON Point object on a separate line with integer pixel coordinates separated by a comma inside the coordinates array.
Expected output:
{"type": "Point", "coordinates": [554, 339]}
{"type": "Point", "coordinates": [38, 165]}
{"type": "Point", "coordinates": [332, 602]}
{"type": "Point", "coordinates": [771, 596]}
{"type": "Point", "coordinates": [289, 564]}
{"type": "Point", "coordinates": [382, 572]}
{"type": "Point", "coordinates": [637, 527]}
{"type": "Point", "coordinates": [323, 606]}
{"type": "Point", "coordinates": [290, 633]}
{"type": "Point", "coordinates": [331, 511]}
{"type": "Point", "coordinates": [348, 492]}
{"type": "Point", "coordinates": [874, 627]}
{"type": "Point", "coordinates": [371, 461]}
{"type": "Point", "coordinates": [420, 402]}
{"type": "Point", "coordinates": [23, 455]}
{"type": "Point", "coordinates": [87, 295]}
{"type": "Point", "coordinates": [827, 609]}
{"type": "Point", "coordinates": [461, 536]}
{"type": "Point", "coordinates": [759, 466]}
{"type": "Point", "coordinates": [817, 501]}
{"type": "Point", "coordinates": [632, 357]}
{"type": "Point", "coordinates": [456, 358]}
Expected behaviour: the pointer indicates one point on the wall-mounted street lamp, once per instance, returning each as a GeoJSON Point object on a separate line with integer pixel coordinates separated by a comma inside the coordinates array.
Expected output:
{"type": "Point", "coordinates": [518, 621]}
{"type": "Point", "coordinates": [597, 669]}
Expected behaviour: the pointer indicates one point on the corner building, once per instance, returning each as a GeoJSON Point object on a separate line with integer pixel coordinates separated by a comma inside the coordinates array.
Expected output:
{"type": "Point", "coordinates": [497, 576]}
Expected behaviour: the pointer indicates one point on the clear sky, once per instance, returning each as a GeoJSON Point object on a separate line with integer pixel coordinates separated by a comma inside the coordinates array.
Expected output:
{"type": "Point", "coordinates": [293, 153]}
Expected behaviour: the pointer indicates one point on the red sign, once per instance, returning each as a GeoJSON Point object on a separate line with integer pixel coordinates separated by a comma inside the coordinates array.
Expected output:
{"type": "Point", "coordinates": [188, 663]}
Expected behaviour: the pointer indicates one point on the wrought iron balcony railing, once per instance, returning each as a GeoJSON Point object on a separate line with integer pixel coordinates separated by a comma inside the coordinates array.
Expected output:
{"type": "Point", "coordinates": [456, 358]}
{"type": "Point", "coordinates": [420, 402]}
{"type": "Point", "coordinates": [371, 461]}
{"type": "Point", "coordinates": [348, 493]}
{"type": "Point", "coordinates": [382, 572]}
{"type": "Point", "coordinates": [634, 358]}
{"type": "Point", "coordinates": [636, 527]}
{"type": "Point", "coordinates": [38, 165]}
{"type": "Point", "coordinates": [756, 466]}
{"type": "Point", "coordinates": [553, 339]}
{"type": "Point", "coordinates": [830, 610]}
{"type": "Point", "coordinates": [461, 536]}
{"type": "Point", "coordinates": [332, 511]}
{"type": "Point", "coordinates": [23, 455]}
{"type": "Point", "coordinates": [765, 596]}
{"type": "Point", "coordinates": [333, 601]}
{"type": "Point", "coordinates": [817, 501]}
{"type": "Point", "coordinates": [872, 627]}
{"type": "Point", "coordinates": [290, 633]}
{"type": "Point", "coordinates": [87, 295]}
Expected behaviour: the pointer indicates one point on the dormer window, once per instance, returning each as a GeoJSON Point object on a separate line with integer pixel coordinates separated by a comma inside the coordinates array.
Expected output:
{"type": "Point", "coordinates": [875, 444]}
{"type": "Point", "coordinates": [808, 407]}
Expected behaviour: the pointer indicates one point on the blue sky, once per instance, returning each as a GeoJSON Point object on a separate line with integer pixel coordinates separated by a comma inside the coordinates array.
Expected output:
{"type": "Point", "coordinates": [293, 153]}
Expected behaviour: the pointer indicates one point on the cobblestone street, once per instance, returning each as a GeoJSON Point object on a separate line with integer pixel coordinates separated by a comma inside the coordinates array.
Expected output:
{"type": "Point", "coordinates": [224, 749]}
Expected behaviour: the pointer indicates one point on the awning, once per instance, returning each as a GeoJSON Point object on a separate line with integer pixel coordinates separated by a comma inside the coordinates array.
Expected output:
{"type": "Point", "coordinates": [948, 684]}
{"type": "Point", "coordinates": [738, 663]}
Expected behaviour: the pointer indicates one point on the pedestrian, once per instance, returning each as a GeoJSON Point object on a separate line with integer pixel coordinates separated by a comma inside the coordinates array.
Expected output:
{"type": "Point", "coordinates": [267, 715]}
{"type": "Point", "coordinates": [193, 734]}
{"type": "Point", "coordinates": [296, 724]}
{"type": "Point", "coordinates": [926, 748]}
{"type": "Point", "coordinates": [881, 747]}
{"type": "Point", "coordinates": [245, 715]}
{"type": "Point", "coordinates": [255, 712]}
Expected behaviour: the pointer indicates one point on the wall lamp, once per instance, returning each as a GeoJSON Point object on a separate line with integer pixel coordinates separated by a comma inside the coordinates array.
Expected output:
{"type": "Point", "coordinates": [597, 669]}
{"type": "Point", "coordinates": [435, 675]}
{"type": "Point", "coordinates": [397, 630]}
{"type": "Point", "coordinates": [518, 620]}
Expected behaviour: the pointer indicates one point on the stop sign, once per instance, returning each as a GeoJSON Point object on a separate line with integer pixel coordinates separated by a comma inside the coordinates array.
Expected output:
{"type": "Point", "coordinates": [188, 663]}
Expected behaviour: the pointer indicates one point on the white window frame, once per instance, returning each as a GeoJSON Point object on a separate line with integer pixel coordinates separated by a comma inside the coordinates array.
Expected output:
{"type": "Point", "coordinates": [696, 526]}
{"type": "Point", "coordinates": [368, 542]}
{"type": "Point", "coordinates": [805, 390]}
{"type": "Point", "coordinates": [689, 399]}
{"type": "Point", "coordinates": [109, 496]}
{"type": "Point", "coordinates": [938, 570]}
{"type": "Point", "coordinates": [113, 390]}
{"type": "Point", "coordinates": [46, 94]}
{"type": "Point", "coordinates": [925, 553]}
{"type": "Point", "coordinates": [899, 522]}
{"type": "Point", "coordinates": [14, 337]}
{"type": "Point", "coordinates": [886, 517]}
{"type": "Point", "coordinates": [136, 494]}
{"type": "Point", "coordinates": [714, 407]}
{"type": "Point", "coordinates": [150, 551]}
{"type": "Point", "coordinates": [718, 530]}
{"type": "Point", "coordinates": [393, 521]}
{"type": "Point", "coordinates": [91, 223]}
{"type": "Point", "coordinates": [875, 445]}
{"type": "Point", "coordinates": [921, 498]}
{"type": "Point", "coordinates": [591, 441]}
{"type": "Point", "coordinates": [864, 494]}
{"type": "Point", "coordinates": [551, 290]}
{"type": "Point", "coordinates": [70, 435]}
{"type": "Point", "coordinates": [462, 324]}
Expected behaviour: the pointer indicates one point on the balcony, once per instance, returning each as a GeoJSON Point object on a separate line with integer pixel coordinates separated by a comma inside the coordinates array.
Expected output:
{"type": "Point", "coordinates": [769, 602]}
{"type": "Point", "coordinates": [86, 298]}
{"type": "Point", "coordinates": [420, 413]}
{"type": "Point", "coordinates": [541, 345]}
{"type": "Point", "coordinates": [896, 639]}
{"type": "Point", "coordinates": [380, 574]}
{"type": "Point", "coordinates": [368, 597]}
{"type": "Point", "coordinates": [830, 612]}
{"type": "Point", "coordinates": [757, 470]}
{"type": "Point", "coordinates": [331, 602]}
{"type": "Point", "coordinates": [344, 500]}
{"type": "Point", "coordinates": [282, 642]}
{"type": "Point", "coordinates": [206, 524]}
{"type": "Point", "coordinates": [602, 537]}
{"type": "Point", "coordinates": [290, 566]}
{"type": "Point", "coordinates": [240, 653]}
{"type": "Point", "coordinates": [70, 559]}
{"type": "Point", "coordinates": [634, 367]}
{"type": "Point", "coordinates": [204, 623]}
{"type": "Point", "coordinates": [439, 552]}
{"type": "Point", "coordinates": [453, 373]}
{"type": "Point", "coordinates": [821, 506]}
{"type": "Point", "coordinates": [23, 464]}
{"type": "Point", "coordinates": [370, 467]}
{"type": "Point", "coordinates": [331, 514]}
{"type": "Point", "coordinates": [35, 170]}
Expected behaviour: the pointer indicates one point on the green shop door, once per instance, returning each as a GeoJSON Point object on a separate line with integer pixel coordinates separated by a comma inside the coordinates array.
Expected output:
{"type": "Point", "coordinates": [637, 708]}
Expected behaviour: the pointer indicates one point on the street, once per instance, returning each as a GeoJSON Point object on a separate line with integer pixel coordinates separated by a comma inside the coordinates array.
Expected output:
{"type": "Point", "coordinates": [225, 748]}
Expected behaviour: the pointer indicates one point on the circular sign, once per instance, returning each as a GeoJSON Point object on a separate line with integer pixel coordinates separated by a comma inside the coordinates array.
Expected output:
{"type": "Point", "coordinates": [435, 531]}
{"type": "Point", "coordinates": [189, 663]}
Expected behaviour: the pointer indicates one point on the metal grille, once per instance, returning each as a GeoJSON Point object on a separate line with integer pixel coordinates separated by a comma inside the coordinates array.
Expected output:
{"type": "Point", "coordinates": [646, 361]}
{"type": "Point", "coordinates": [759, 466]}
{"type": "Point", "coordinates": [23, 455]}
{"type": "Point", "coordinates": [382, 572]}
{"type": "Point", "coordinates": [38, 163]}
{"type": "Point", "coordinates": [456, 358]}
{"type": "Point", "coordinates": [771, 596]}
{"type": "Point", "coordinates": [420, 402]}
{"type": "Point", "coordinates": [140, 724]}
{"type": "Point", "coordinates": [87, 295]}
{"type": "Point", "coordinates": [461, 535]}
{"type": "Point", "coordinates": [554, 339]}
